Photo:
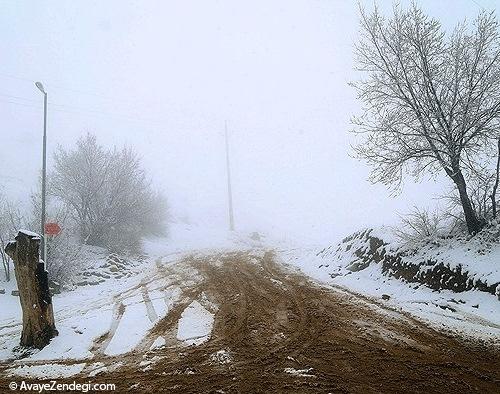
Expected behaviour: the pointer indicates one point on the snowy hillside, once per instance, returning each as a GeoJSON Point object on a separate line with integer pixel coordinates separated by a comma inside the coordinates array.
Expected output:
{"type": "Point", "coordinates": [450, 283]}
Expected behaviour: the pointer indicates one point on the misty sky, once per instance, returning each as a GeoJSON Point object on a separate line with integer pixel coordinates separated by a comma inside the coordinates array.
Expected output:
{"type": "Point", "coordinates": [164, 76]}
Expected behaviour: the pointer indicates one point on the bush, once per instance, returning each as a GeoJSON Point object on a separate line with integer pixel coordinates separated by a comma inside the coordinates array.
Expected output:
{"type": "Point", "coordinates": [420, 225]}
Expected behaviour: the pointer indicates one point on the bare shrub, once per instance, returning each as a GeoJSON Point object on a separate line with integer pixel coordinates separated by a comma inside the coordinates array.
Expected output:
{"type": "Point", "coordinates": [422, 225]}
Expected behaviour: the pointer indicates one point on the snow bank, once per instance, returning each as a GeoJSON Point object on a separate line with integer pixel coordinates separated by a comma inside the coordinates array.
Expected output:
{"type": "Point", "coordinates": [362, 263]}
{"type": "Point", "coordinates": [456, 264]}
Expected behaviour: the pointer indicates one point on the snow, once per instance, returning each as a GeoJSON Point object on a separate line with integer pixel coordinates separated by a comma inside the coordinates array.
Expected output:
{"type": "Point", "coordinates": [133, 327]}
{"type": "Point", "coordinates": [81, 316]}
{"type": "Point", "coordinates": [479, 257]}
{"type": "Point", "coordinates": [89, 312]}
{"type": "Point", "coordinates": [186, 238]}
{"type": "Point", "coordinates": [303, 373]}
{"type": "Point", "coordinates": [46, 371]}
{"type": "Point", "coordinates": [195, 324]}
{"type": "Point", "coordinates": [158, 343]}
{"type": "Point", "coordinates": [97, 368]}
{"type": "Point", "coordinates": [222, 356]}
{"type": "Point", "coordinates": [30, 233]}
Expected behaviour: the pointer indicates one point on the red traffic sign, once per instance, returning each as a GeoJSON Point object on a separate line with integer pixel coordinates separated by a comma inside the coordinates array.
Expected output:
{"type": "Point", "coordinates": [52, 229]}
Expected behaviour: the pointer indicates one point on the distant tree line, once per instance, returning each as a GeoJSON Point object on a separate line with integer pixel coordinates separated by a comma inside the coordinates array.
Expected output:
{"type": "Point", "coordinates": [431, 104]}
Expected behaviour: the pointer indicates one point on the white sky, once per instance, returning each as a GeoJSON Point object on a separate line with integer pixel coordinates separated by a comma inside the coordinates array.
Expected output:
{"type": "Point", "coordinates": [163, 76]}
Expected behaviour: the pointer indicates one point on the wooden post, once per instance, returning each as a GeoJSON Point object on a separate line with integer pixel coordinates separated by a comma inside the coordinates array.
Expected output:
{"type": "Point", "coordinates": [32, 281]}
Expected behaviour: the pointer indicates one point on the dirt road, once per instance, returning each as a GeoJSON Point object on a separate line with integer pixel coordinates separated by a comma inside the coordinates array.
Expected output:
{"type": "Point", "coordinates": [276, 331]}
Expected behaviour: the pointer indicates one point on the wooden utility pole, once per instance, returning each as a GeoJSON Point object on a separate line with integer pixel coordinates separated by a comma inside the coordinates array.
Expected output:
{"type": "Point", "coordinates": [229, 190]}
{"type": "Point", "coordinates": [33, 284]}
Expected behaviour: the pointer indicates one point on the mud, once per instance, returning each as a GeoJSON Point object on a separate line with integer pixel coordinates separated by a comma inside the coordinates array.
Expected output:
{"type": "Point", "coordinates": [276, 331]}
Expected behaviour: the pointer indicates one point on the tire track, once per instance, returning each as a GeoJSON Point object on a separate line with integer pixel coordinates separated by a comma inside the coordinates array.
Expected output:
{"type": "Point", "coordinates": [273, 323]}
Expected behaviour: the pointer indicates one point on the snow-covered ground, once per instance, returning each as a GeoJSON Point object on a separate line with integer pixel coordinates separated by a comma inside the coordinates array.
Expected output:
{"type": "Point", "coordinates": [128, 307]}
{"type": "Point", "coordinates": [195, 324]}
{"type": "Point", "coordinates": [473, 313]}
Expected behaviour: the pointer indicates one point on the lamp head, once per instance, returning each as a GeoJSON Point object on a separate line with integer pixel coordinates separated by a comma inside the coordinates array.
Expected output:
{"type": "Point", "coordinates": [40, 87]}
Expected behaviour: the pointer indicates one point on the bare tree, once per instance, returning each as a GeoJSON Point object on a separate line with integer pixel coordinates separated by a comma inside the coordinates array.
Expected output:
{"type": "Point", "coordinates": [108, 193]}
{"type": "Point", "coordinates": [4, 237]}
{"type": "Point", "coordinates": [431, 99]}
{"type": "Point", "coordinates": [64, 251]}
{"type": "Point", "coordinates": [493, 194]}
{"type": "Point", "coordinates": [11, 220]}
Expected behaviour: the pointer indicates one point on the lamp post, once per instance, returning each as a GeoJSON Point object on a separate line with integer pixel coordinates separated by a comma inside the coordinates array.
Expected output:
{"type": "Point", "coordinates": [44, 170]}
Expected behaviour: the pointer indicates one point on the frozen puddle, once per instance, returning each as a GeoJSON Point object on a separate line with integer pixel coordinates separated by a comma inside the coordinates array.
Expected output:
{"type": "Point", "coordinates": [195, 324]}
{"type": "Point", "coordinates": [46, 371]}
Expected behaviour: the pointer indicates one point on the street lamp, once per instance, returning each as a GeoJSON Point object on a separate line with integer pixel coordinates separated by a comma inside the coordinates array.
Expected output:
{"type": "Point", "coordinates": [44, 169]}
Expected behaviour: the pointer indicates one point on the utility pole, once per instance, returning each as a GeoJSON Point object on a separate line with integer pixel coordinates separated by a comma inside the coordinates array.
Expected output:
{"type": "Point", "coordinates": [229, 190]}
{"type": "Point", "coordinates": [44, 171]}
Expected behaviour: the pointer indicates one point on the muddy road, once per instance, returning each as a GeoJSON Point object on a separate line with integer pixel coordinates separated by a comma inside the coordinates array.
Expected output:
{"type": "Point", "coordinates": [276, 331]}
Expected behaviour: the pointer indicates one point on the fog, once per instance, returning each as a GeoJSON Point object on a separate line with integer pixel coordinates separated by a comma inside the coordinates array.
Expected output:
{"type": "Point", "coordinates": [165, 76]}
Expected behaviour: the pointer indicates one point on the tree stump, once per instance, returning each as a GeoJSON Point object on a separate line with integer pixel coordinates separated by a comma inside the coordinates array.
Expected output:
{"type": "Point", "coordinates": [32, 281]}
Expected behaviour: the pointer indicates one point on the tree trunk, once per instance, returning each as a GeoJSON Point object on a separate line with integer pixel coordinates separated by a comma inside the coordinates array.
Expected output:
{"type": "Point", "coordinates": [32, 281]}
{"type": "Point", "coordinates": [474, 225]}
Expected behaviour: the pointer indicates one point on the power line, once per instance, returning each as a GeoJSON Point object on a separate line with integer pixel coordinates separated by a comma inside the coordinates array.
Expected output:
{"type": "Point", "coordinates": [61, 87]}
{"type": "Point", "coordinates": [18, 98]}
{"type": "Point", "coordinates": [65, 108]}
{"type": "Point", "coordinates": [21, 104]}
{"type": "Point", "coordinates": [74, 109]}
{"type": "Point", "coordinates": [15, 77]}
{"type": "Point", "coordinates": [79, 110]}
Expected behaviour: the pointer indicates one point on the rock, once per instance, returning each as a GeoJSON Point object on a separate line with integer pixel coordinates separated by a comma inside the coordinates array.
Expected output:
{"type": "Point", "coordinates": [358, 265]}
{"type": "Point", "coordinates": [447, 307]}
{"type": "Point", "coordinates": [386, 297]}
{"type": "Point", "coordinates": [475, 306]}
{"type": "Point", "coordinates": [15, 293]}
{"type": "Point", "coordinates": [2, 291]}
